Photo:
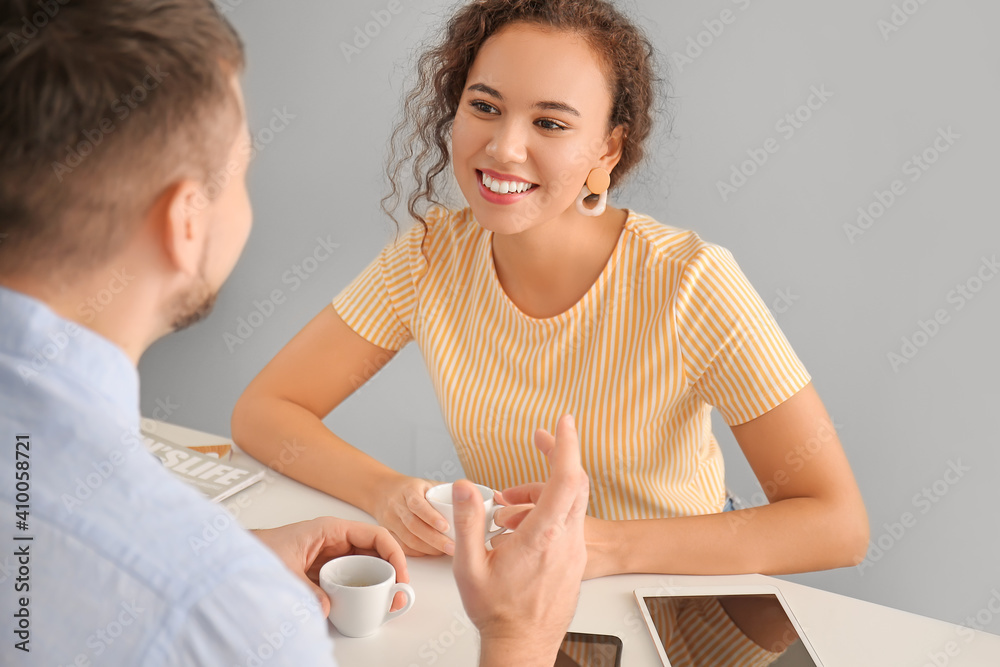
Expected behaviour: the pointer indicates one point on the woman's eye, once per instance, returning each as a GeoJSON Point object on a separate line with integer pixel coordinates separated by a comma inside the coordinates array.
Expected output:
{"type": "Point", "coordinates": [483, 107]}
{"type": "Point", "coordinates": [547, 124]}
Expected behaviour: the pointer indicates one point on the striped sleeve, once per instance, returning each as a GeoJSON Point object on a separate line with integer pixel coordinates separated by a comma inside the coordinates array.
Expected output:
{"type": "Point", "coordinates": [735, 356]}
{"type": "Point", "coordinates": [379, 304]}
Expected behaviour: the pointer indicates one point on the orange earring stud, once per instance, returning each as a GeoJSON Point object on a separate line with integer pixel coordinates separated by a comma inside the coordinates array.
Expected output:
{"type": "Point", "coordinates": [598, 182]}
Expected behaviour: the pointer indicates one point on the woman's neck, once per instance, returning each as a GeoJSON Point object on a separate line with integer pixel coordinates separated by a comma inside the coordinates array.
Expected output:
{"type": "Point", "coordinates": [549, 268]}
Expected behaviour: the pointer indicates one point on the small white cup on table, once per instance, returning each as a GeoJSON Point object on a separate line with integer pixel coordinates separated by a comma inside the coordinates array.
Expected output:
{"type": "Point", "coordinates": [361, 589]}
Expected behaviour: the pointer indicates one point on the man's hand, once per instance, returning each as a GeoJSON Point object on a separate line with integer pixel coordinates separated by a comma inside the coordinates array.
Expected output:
{"type": "Point", "coordinates": [306, 546]}
{"type": "Point", "coordinates": [523, 594]}
{"type": "Point", "coordinates": [603, 543]}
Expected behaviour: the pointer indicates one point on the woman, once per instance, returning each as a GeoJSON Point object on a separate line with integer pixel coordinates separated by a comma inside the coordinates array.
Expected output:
{"type": "Point", "coordinates": [535, 301]}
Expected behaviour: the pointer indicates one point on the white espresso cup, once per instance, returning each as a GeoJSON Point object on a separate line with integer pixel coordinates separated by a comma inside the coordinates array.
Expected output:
{"type": "Point", "coordinates": [361, 589]}
{"type": "Point", "coordinates": [440, 499]}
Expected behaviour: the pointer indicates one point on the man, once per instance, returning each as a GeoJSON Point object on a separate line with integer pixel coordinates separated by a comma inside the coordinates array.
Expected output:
{"type": "Point", "coordinates": [123, 208]}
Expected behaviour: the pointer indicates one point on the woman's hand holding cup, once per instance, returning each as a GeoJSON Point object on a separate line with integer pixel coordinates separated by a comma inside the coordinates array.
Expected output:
{"type": "Point", "coordinates": [403, 509]}
{"type": "Point", "coordinates": [440, 498]}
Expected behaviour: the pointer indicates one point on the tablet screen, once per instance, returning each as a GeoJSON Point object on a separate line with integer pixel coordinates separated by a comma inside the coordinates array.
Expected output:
{"type": "Point", "coordinates": [726, 631]}
{"type": "Point", "coordinates": [581, 649]}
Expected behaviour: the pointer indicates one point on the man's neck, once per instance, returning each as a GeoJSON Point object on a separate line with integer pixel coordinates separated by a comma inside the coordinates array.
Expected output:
{"type": "Point", "coordinates": [110, 302]}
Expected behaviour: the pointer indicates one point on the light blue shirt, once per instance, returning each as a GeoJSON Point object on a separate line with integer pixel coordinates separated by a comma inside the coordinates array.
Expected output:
{"type": "Point", "coordinates": [126, 565]}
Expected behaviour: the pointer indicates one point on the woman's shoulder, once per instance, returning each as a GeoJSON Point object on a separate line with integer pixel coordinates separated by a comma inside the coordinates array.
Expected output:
{"type": "Point", "coordinates": [440, 222]}
{"type": "Point", "coordinates": [439, 215]}
{"type": "Point", "coordinates": [667, 243]}
{"type": "Point", "coordinates": [438, 226]}
{"type": "Point", "coordinates": [440, 237]}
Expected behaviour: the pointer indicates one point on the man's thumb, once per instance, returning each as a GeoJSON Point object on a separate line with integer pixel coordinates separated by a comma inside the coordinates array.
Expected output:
{"type": "Point", "coordinates": [470, 547]}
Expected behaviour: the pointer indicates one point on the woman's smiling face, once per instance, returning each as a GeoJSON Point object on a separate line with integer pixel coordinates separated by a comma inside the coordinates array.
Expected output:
{"type": "Point", "coordinates": [531, 124]}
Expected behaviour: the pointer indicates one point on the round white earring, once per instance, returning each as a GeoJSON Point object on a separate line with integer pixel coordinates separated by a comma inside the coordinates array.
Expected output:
{"type": "Point", "coordinates": [598, 182]}
{"type": "Point", "coordinates": [599, 208]}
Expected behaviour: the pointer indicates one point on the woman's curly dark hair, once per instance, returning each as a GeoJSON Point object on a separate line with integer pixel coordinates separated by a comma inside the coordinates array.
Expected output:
{"type": "Point", "coordinates": [421, 138]}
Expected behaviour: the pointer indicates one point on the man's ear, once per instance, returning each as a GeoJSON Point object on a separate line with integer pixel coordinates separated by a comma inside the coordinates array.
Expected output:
{"type": "Point", "coordinates": [614, 146]}
{"type": "Point", "coordinates": [184, 225]}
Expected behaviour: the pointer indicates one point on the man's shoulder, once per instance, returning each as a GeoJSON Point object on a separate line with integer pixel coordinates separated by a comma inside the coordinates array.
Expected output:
{"type": "Point", "coordinates": [135, 548]}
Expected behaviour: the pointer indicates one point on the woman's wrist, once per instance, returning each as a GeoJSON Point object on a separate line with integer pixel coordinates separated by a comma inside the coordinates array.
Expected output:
{"type": "Point", "coordinates": [607, 548]}
{"type": "Point", "coordinates": [377, 488]}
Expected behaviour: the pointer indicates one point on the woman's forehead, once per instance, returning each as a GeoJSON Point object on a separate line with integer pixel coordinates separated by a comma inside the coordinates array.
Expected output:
{"type": "Point", "coordinates": [527, 64]}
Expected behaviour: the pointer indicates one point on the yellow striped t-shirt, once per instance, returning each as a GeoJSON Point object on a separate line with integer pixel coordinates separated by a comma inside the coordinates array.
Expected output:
{"type": "Point", "coordinates": [669, 329]}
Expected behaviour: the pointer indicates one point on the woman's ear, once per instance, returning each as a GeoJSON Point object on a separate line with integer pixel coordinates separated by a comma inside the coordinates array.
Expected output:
{"type": "Point", "coordinates": [183, 226]}
{"type": "Point", "coordinates": [614, 147]}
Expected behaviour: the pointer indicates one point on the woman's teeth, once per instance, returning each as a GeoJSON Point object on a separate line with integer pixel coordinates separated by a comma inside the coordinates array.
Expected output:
{"type": "Point", "coordinates": [505, 187]}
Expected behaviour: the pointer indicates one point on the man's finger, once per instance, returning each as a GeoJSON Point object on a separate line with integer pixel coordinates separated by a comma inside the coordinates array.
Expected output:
{"type": "Point", "coordinates": [510, 518]}
{"type": "Point", "coordinates": [388, 549]}
{"type": "Point", "coordinates": [500, 539]}
{"type": "Point", "coordinates": [562, 493]}
{"type": "Point", "coordinates": [526, 494]}
{"type": "Point", "coordinates": [565, 455]}
{"type": "Point", "coordinates": [470, 516]}
{"type": "Point", "coordinates": [544, 441]}
{"type": "Point", "coordinates": [321, 596]}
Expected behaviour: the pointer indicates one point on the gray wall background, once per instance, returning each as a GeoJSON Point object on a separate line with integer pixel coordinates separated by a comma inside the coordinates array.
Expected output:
{"type": "Point", "coordinates": [845, 303]}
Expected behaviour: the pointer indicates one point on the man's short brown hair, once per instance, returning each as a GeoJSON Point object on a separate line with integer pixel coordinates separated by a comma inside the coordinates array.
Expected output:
{"type": "Point", "coordinates": [104, 104]}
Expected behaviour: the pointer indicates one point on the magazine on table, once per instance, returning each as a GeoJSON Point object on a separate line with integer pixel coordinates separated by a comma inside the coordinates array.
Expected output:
{"type": "Point", "coordinates": [210, 473]}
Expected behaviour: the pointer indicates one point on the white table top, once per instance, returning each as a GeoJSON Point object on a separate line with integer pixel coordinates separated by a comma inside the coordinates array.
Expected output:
{"type": "Point", "coordinates": [844, 631]}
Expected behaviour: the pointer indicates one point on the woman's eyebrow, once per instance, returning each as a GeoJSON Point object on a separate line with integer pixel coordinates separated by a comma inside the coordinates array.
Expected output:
{"type": "Point", "coordinates": [557, 106]}
{"type": "Point", "coordinates": [548, 106]}
{"type": "Point", "coordinates": [483, 88]}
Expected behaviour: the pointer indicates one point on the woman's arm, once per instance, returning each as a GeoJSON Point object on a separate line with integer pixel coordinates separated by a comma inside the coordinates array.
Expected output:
{"type": "Point", "coordinates": [278, 420]}
{"type": "Point", "coordinates": [816, 518]}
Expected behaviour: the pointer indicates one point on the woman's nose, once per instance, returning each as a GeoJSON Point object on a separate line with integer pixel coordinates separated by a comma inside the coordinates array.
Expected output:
{"type": "Point", "coordinates": [508, 144]}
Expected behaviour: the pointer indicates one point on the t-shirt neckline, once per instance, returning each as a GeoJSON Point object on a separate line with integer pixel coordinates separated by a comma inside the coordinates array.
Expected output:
{"type": "Point", "coordinates": [588, 296]}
